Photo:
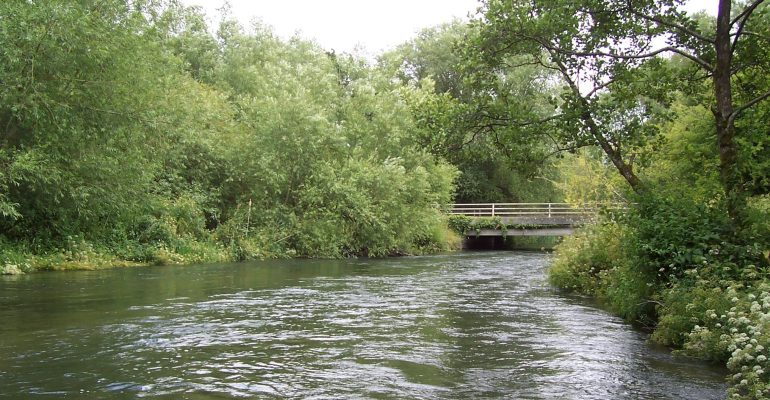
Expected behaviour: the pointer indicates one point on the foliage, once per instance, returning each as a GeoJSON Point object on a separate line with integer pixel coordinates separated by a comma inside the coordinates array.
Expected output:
{"type": "Point", "coordinates": [132, 128]}
{"type": "Point", "coordinates": [584, 179]}
{"type": "Point", "coordinates": [463, 224]}
{"type": "Point", "coordinates": [130, 134]}
{"type": "Point", "coordinates": [583, 259]}
{"type": "Point", "coordinates": [617, 87]}
{"type": "Point", "coordinates": [757, 216]}
{"type": "Point", "coordinates": [684, 153]}
{"type": "Point", "coordinates": [671, 235]}
{"type": "Point", "coordinates": [674, 263]}
{"type": "Point", "coordinates": [460, 223]}
{"type": "Point", "coordinates": [745, 333]}
{"type": "Point", "coordinates": [731, 326]}
{"type": "Point", "coordinates": [460, 113]}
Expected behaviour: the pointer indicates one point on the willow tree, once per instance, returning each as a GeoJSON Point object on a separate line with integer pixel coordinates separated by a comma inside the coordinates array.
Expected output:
{"type": "Point", "coordinates": [612, 56]}
{"type": "Point", "coordinates": [81, 83]}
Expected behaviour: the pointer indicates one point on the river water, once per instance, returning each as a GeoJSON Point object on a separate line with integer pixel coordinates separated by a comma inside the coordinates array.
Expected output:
{"type": "Point", "coordinates": [460, 326]}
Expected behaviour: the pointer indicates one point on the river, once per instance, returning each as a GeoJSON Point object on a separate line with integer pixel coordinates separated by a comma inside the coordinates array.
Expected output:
{"type": "Point", "coordinates": [459, 326]}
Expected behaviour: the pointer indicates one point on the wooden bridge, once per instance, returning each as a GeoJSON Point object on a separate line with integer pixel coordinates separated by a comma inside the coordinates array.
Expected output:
{"type": "Point", "coordinates": [528, 219]}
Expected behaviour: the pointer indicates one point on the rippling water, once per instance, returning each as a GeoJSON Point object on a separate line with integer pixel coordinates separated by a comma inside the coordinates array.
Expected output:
{"type": "Point", "coordinates": [470, 325]}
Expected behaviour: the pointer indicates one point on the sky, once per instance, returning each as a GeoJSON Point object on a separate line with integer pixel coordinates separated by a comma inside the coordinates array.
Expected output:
{"type": "Point", "coordinates": [343, 25]}
{"type": "Point", "coordinates": [369, 25]}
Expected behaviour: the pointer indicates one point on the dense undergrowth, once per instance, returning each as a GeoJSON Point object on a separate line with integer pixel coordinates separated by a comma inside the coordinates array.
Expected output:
{"type": "Point", "coordinates": [676, 267]}
{"type": "Point", "coordinates": [79, 254]}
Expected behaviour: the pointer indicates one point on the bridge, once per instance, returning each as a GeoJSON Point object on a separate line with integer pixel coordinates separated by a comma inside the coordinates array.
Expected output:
{"type": "Point", "coordinates": [526, 219]}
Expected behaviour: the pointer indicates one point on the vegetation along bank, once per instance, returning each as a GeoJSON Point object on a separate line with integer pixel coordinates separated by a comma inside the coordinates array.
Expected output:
{"type": "Point", "coordinates": [130, 134]}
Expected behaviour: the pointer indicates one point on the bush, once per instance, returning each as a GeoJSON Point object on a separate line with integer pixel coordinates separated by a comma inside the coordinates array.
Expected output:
{"type": "Point", "coordinates": [741, 335]}
{"type": "Point", "coordinates": [435, 236]}
{"type": "Point", "coordinates": [627, 290]}
{"type": "Point", "coordinates": [758, 218]}
{"type": "Point", "coordinates": [683, 307]}
{"type": "Point", "coordinates": [460, 223]}
{"type": "Point", "coordinates": [677, 266]}
{"type": "Point", "coordinates": [583, 258]}
{"type": "Point", "coordinates": [671, 236]}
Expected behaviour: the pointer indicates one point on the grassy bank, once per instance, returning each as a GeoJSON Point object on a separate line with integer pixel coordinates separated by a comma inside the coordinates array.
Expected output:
{"type": "Point", "coordinates": [79, 254]}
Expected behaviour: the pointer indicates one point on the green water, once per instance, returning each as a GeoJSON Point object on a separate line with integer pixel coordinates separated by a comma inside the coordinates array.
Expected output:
{"type": "Point", "coordinates": [469, 325]}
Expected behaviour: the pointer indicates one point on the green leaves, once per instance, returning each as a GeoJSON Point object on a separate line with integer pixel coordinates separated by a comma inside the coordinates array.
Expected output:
{"type": "Point", "coordinates": [132, 126]}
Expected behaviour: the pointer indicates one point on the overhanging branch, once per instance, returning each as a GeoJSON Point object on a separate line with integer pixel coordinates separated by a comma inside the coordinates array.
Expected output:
{"type": "Point", "coordinates": [705, 65]}
{"type": "Point", "coordinates": [747, 12]}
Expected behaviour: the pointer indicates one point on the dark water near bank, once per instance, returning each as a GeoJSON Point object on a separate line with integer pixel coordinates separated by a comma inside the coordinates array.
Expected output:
{"type": "Point", "coordinates": [471, 325]}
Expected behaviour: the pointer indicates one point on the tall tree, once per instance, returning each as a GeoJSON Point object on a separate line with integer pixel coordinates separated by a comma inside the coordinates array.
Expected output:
{"type": "Point", "coordinates": [608, 54]}
{"type": "Point", "coordinates": [464, 114]}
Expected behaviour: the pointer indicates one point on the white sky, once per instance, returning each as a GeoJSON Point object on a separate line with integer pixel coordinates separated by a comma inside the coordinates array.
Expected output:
{"type": "Point", "coordinates": [342, 25]}
{"type": "Point", "coordinates": [374, 25]}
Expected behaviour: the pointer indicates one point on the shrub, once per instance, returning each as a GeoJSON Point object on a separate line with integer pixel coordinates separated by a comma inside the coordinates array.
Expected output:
{"type": "Point", "coordinates": [460, 223]}
{"type": "Point", "coordinates": [627, 291]}
{"type": "Point", "coordinates": [671, 236]}
{"type": "Point", "coordinates": [581, 259]}
{"type": "Point", "coordinates": [685, 306]}
{"type": "Point", "coordinates": [742, 336]}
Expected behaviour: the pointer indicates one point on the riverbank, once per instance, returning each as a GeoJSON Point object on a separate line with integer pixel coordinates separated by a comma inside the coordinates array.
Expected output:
{"type": "Point", "coordinates": [673, 268]}
{"type": "Point", "coordinates": [79, 254]}
{"type": "Point", "coordinates": [82, 255]}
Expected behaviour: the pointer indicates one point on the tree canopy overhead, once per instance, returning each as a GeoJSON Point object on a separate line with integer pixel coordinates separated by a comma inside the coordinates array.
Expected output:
{"type": "Point", "coordinates": [617, 60]}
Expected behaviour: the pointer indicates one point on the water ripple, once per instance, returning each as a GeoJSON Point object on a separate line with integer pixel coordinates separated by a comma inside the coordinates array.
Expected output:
{"type": "Point", "coordinates": [445, 327]}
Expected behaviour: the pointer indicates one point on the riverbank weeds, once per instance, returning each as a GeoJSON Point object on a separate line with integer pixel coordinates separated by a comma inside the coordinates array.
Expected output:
{"type": "Point", "coordinates": [679, 270]}
{"type": "Point", "coordinates": [76, 253]}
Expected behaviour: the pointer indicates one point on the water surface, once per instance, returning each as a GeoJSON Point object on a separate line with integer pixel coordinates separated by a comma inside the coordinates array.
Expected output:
{"type": "Point", "coordinates": [469, 325]}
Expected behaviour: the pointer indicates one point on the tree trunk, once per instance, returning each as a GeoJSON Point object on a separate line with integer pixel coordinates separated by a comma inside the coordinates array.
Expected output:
{"type": "Point", "coordinates": [724, 118]}
{"type": "Point", "coordinates": [625, 169]}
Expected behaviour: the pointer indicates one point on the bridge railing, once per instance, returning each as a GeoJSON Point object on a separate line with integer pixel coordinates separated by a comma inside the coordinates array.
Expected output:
{"type": "Point", "coordinates": [548, 210]}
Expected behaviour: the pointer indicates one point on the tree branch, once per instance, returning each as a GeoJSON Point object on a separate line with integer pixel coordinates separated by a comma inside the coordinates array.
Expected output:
{"type": "Point", "coordinates": [586, 116]}
{"type": "Point", "coordinates": [747, 11]}
{"type": "Point", "coordinates": [476, 133]}
{"type": "Point", "coordinates": [755, 34]}
{"type": "Point", "coordinates": [753, 102]}
{"type": "Point", "coordinates": [568, 148]}
{"type": "Point", "coordinates": [670, 24]}
{"type": "Point", "coordinates": [521, 124]}
{"type": "Point", "coordinates": [521, 64]}
{"type": "Point", "coordinates": [705, 65]}
{"type": "Point", "coordinates": [741, 19]}
{"type": "Point", "coordinates": [600, 87]}
{"type": "Point", "coordinates": [502, 146]}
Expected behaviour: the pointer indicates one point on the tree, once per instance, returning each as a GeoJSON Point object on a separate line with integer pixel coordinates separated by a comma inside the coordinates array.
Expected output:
{"type": "Point", "coordinates": [464, 115]}
{"type": "Point", "coordinates": [82, 82]}
{"type": "Point", "coordinates": [608, 54]}
{"type": "Point", "coordinates": [432, 54]}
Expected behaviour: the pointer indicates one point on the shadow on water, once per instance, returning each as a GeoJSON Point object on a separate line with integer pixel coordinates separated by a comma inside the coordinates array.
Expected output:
{"type": "Point", "coordinates": [498, 243]}
{"type": "Point", "coordinates": [485, 243]}
{"type": "Point", "coordinates": [466, 325]}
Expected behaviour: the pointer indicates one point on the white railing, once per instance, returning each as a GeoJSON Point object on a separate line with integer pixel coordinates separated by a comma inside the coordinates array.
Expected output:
{"type": "Point", "coordinates": [527, 209]}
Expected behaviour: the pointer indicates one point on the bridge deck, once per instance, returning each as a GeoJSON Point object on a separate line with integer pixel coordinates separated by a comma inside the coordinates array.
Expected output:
{"type": "Point", "coordinates": [533, 219]}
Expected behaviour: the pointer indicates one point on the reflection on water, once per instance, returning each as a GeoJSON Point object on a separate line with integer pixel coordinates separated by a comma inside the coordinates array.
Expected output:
{"type": "Point", "coordinates": [473, 325]}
